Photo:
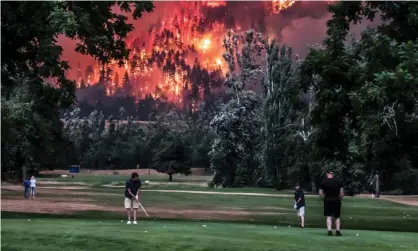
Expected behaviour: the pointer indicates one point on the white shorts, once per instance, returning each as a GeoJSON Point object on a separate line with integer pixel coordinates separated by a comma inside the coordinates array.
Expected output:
{"type": "Point", "coordinates": [131, 204]}
{"type": "Point", "coordinates": [301, 211]}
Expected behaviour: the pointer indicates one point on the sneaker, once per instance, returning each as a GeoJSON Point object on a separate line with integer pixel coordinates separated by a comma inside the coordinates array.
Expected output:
{"type": "Point", "coordinates": [135, 222]}
{"type": "Point", "coordinates": [128, 222]}
{"type": "Point", "coordinates": [338, 233]}
{"type": "Point", "coordinates": [329, 233]}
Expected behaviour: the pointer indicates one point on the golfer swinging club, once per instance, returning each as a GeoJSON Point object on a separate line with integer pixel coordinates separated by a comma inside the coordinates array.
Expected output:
{"type": "Point", "coordinates": [131, 196]}
{"type": "Point", "coordinates": [332, 193]}
{"type": "Point", "coordinates": [300, 204]}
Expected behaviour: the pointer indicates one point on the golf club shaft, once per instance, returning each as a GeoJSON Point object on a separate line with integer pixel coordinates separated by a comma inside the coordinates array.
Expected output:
{"type": "Point", "coordinates": [143, 209]}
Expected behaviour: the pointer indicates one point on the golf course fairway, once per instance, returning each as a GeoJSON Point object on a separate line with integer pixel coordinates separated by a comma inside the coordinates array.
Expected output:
{"type": "Point", "coordinates": [75, 234]}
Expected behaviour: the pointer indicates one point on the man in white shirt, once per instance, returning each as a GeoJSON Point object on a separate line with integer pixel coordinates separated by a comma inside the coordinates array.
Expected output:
{"type": "Point", "coordinates": [32, 187]}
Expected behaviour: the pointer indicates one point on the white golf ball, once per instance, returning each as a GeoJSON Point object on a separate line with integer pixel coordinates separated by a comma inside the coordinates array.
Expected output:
{"type": "Point", "coordinates": [357, 234]}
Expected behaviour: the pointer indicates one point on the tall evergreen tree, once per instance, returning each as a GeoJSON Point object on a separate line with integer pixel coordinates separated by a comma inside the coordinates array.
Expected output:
{"type": "Point", "coordinates": [278, 104]}
{"type": "Point", "coordinates": [127, 87]}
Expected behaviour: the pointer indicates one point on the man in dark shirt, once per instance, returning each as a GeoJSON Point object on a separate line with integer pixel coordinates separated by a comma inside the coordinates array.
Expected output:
{"type": "Point", "coordinates": [26, 184]}
{"type": "Point", "coordinates": [332, 192]}
{"type": "Point", "coordinates": [300, 204]}
{"type": "Point", "coordinates": [131, 196]}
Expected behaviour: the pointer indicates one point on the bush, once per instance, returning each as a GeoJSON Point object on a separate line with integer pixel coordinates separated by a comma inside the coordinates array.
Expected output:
{"type": "Point", "coordinates": [406, 181]}
{"type": "Point", "coordinates": [394, 192]}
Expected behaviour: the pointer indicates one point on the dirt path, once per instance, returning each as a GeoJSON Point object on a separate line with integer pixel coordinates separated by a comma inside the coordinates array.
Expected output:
{"type": "Point", "coordinates": [404, 199]}
{"type": "Point", "coordinates": [207, 192]}
{"type": "Point", "coordinates": [411, 200]}
{"type": "Point", "coordinates": [44, 189]}
{"type": "Point", "coordinates": [196, 184]}
{"type": "Point", "coordinates": [407, 200]}
{"type": "Point", "coordinates": [72, 205]}
{"type": "Point", "coordinates": [223, 193]}
{"type": "Point", "coordinates": [61, 183]}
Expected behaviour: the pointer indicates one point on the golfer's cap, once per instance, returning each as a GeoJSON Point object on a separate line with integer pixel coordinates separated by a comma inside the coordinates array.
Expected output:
{"type": "Point", "coordinates": [330, 171]}
{"type": "Point", "coordinates": [297, 184]}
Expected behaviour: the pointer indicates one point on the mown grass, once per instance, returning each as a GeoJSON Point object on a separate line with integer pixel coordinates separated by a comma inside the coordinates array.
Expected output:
{"type": "Point", "coordinates": [75, 234]}
{"type": "Point", "coordinates": [194, 183]}
{"type": "Point", "coordinates": [357, 213]}
{"type": "Point", "coordinates": [120, 179]}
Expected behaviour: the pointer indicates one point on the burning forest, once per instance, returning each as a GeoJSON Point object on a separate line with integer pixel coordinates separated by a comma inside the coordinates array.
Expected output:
{"type": "Point", "coordinates": [177, 55]}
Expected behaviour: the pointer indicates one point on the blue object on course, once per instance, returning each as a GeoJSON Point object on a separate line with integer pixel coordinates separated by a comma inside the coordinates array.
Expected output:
{"type": "Point", "coordinates": [75, 169]}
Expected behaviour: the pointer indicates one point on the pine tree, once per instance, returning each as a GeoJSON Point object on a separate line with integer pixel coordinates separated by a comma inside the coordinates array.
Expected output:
{"type": "Point", "coordinates": [79, 76]}
{"type": "Point", "coordinates": [126, 85]}
{"type": "Point", "coordinates": [195, 79]}
{"type": "Point", "coordinates": [89, 74]}
{"type": "Point", "coordinates": [116, 80]}
{"type": "Point", "coordinates": [134, 64]}
{"type": "Point", "coordinates": [277, 109]}
{"type": "Point", "coordinates": [108, 80]}
{"type": "Point", "coordinates": [102, 75]}
{"type": "Point", "coordinates": [82, 84]}
{"type": "Point", "coordinates": [206, 85]}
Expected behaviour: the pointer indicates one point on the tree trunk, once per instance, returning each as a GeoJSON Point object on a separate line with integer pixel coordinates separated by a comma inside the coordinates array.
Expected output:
{"type": "Point", "coordinates": [313, 185]}
{"type": "Point", "coordinates": [377, 195]}
{"type": "Point", "coordinates": [170, 177]}
{"type": "Point", "coordinates": [24, 173]}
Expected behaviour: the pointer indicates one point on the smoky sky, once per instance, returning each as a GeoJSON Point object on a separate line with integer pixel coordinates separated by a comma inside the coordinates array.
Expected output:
{"type": "Point", "coordinates": [299, 26]}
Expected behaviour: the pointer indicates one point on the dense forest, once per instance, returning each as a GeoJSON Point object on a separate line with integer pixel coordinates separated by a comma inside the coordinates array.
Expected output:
{"type": "Point", "coordinates": [350, 105]}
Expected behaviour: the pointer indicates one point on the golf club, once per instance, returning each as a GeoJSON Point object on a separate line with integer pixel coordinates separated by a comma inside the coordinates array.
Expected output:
{"type": "Point", "coordinates": [143, 209]}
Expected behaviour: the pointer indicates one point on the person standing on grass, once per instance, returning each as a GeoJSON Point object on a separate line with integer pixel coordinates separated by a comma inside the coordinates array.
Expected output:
{"type": "Point", "coordinates": [26, 184]}
{"type": "Point", "coordinates": [300, 204]}
{"type": "Point", "coordinates": [332, 192]}
{"type": "Point", "coordinates": [131, 197]}
{"type": "Point", "coordinates": [32, 187]}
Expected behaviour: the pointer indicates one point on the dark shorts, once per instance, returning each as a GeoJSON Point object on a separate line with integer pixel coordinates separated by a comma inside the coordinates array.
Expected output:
{"type": "Point", "coordinates": [332, 208]}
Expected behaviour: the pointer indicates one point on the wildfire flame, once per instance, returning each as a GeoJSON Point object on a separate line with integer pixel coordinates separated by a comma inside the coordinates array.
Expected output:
{"type": "Point", "coordinates": [215, 4]}
{"type": "Point", "coordinates": [279, 5]}
{"type": "Point", "coordinates": [163, 64]}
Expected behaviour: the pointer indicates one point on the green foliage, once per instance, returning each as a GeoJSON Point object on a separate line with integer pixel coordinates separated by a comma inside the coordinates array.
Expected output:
{"type": "Point", "coordinates": [172, 157]}
{"type": "Point", "coordinates": [233, 157]}
{"type": "Point", "coordinates": [29, 34]}
{"type": "Point", "coordinates": [31, 129]}
{"type": "Point", "coordinates": [278, 113]}
{"type": "Point", "coordinates": [388, 103]}
{"type": "Point", "coordinates": [350, 105]}
{"type": "Point", "coordinates": [365, 93]}
{"type": "Point", "coordinates": [171, 144]}
{"type": "Point", "coordinates": [406, 181]}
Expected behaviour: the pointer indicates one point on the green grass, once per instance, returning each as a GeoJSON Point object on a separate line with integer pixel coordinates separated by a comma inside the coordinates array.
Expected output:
{"type": "Point", "coordinates": [194, 183]}
{"type": "Point", "coordinates": [357, 213]}
{"type": "Point", "coordinates": [120, 179]}
{"type": "Point", "coordinates": [75, 234]}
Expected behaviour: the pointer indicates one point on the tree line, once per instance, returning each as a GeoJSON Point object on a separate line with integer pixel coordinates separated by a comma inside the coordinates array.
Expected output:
{"type": "Point", "coordinates": [170, 143]}
{"type": "Point", "coordinates": [350, 105]}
